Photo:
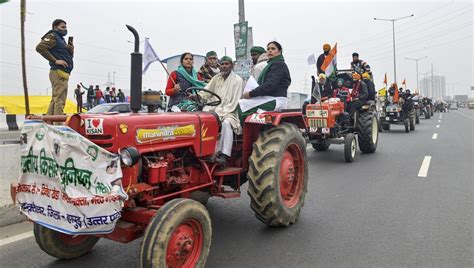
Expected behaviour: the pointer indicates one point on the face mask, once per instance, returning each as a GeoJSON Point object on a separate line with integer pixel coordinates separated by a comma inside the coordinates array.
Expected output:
{"type": "Point", "coordinates": [61, 32]}
{"type": "Point", "coordinates": [326, 52]}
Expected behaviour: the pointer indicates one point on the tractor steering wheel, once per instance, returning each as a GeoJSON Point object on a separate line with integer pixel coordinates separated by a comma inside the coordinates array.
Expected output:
{"type": "Point", "coordinates": [200, 101]}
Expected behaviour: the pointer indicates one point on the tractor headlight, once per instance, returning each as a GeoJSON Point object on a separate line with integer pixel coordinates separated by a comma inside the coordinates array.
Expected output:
{"type": "Point", "coordinates": [129, 156]}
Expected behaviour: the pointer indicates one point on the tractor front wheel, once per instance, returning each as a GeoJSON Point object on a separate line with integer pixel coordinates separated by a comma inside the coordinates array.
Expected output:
{"type": "Point", "coordinates": [63, 246]}
{"type": "Point", "coordinates": [179, 235]}
{"type": "Point", "coordinates": [412, 116]}
{"type": "Point", "coordinates": [406, 122]}
{"type": "Point", "coordinates": [278, 175]}
{"type": "Point", "coordinates": [350, 147]}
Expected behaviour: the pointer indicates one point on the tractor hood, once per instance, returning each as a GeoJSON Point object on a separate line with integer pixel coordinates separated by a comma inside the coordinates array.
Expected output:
{"type": "Point", "coordinates": [151, 132]}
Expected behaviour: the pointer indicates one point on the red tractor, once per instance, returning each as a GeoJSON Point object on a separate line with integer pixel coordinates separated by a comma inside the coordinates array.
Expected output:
{"type": "Point", "coordinates": [165, 160]}
{"type": "Point", "coordinates": [328, 123]}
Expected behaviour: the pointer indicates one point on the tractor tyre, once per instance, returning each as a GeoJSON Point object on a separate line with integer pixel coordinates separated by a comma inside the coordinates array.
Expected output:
{"type": "Point", "coordinates": [427, 114]}
{"type": "Point", "coordinates": [368, 132]}
{"type": "Point", "coordinates": [200, 196]}
{"type": "Point", "coordinates": [350, 147]}
{"type": "Point", "coordinates": [412, 117]}
{"type": "Point", "coordinates": [278, 175]}
{"type": "Point", "coordinates": [417, 118]}
{"type": "Point", "coordinates": [386, 126]}
{"type": "Point", "coordinates": [179, 235]}
{"type": "Point", "coordinates": [63, 246]}
{"type": "Point", "coordinates": [321, 146]}
{"type": "Point", "coordinates": [406, 122]}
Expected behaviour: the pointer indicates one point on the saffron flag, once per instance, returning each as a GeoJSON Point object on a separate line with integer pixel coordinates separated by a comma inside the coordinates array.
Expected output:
{"type": "Point", "coordinates": [149, 56]}
{"type": "Point", "coordinates": [404, 82]}
{"type": "Point", "coordinates": [330, 63]}
{"type": "Point", "coordinates": [395, 93]}
{"type": "Point", "coordinates": [385, 79]}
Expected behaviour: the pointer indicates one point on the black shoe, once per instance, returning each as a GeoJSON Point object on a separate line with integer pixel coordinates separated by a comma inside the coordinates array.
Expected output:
{"type": "Point", "coordinates": [221, 159]}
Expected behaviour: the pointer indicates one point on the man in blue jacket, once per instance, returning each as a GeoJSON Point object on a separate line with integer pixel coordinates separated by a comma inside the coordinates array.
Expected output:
{"type": "Point", "coordinates": [54, 48]}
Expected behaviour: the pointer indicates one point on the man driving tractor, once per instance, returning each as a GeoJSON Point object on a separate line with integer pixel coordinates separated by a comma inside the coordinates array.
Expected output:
{"type": "Point", "coordinates": [229, 87]}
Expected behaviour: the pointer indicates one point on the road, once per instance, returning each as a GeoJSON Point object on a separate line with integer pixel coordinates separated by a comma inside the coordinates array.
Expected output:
{"type": "Point", "coordinates": [374, 212]}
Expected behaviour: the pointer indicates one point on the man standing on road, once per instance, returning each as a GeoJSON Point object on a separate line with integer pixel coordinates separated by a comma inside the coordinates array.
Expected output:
{"type": "Point", "coordinates": [98, 95]}
{"type": "Point", "coordinates": [121, 96]}
{"type": "Point", "coordinates": [78, 94]}
{"type": "Point", "coordinates": [54, 48]}
{"type": "Point", "coordinates": [90, 95]}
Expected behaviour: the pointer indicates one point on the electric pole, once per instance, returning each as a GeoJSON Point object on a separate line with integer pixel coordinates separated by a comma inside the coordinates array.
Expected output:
{"type": "Point", "coordinates": [393, 32]}
{"type": "Point", "coordinates": [416, 60]}
{"type": "Point", "coordinates": [23, 60]}
{"type": "Point", "coordinates": [241, 11]}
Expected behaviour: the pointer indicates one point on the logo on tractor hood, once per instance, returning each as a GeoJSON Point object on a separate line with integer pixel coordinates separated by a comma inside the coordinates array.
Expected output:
{"type": "Point", "coordinates": [94, 126]}
{"type": "Point", "coordinates": [165, 133]}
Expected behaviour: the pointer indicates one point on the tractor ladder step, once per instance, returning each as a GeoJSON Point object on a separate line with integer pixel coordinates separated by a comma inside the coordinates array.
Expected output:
{"type": "Point", "coordinates": [220, 174]}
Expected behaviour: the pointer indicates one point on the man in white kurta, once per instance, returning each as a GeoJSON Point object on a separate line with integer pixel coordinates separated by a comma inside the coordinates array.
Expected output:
{"type": "Point", "coordinates": [229, 87]}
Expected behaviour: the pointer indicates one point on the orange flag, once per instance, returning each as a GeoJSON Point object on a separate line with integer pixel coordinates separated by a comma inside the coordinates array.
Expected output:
{"type": "Point", "coordinates": [385, 79]}
{"type": "Point", "coordinates": [404, 82]}
{"type": "Point", "coordinates": [395, 93]}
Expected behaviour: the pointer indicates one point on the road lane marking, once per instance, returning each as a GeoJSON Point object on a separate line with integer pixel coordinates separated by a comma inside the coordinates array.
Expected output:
{"type": "Point", "coordinates": [16, 238]}
{"type": "Point", "coordinates": [437, 126]}
{"type": "Point", "coordinates": [439, 121]}
{"type": "Point", "coordinates": [435, 136]}
{"type": "Point", "coordinates": [425, 165]}
{"type": "Point", "coordinates": [440, 116]}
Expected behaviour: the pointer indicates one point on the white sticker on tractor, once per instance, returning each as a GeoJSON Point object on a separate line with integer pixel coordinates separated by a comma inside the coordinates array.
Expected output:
{"type": "Point", "coordinates": [94, 126]}
{"type": "Point", "coordinates": [321, 113]}
{"type": "Point", "coordinates": [257, 118]}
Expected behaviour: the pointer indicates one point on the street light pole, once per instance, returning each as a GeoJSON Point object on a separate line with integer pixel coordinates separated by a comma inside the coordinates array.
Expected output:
{"type": "Point", "coordinates": [394, 54]}
{"type": "Point", "coordinates": [416, 60]}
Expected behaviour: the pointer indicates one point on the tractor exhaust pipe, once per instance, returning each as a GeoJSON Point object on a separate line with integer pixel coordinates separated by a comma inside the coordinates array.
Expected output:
{"type": "Point", "coordinates": [136, 74]}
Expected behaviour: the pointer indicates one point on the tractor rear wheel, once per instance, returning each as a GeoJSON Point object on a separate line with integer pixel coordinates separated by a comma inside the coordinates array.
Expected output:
{"type": "Point", "coordinates": [322, 145]}
{"type": "Point", "coordinates": [278, 175]}
{"type": "Point", "coordinates": [350, 147]}
{"type": "Point", "coordinates": [63, 246]}
{"type": "Point", "coordinates": [179, 235]}
{"type": "Point", "coordinates": [368, 132]}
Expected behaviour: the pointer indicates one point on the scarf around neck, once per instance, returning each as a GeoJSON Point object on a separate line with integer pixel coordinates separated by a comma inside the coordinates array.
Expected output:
{"type": "Point", "coordinates": [261, 78]}
{"type": "Point", "coordinates": [191, 78]}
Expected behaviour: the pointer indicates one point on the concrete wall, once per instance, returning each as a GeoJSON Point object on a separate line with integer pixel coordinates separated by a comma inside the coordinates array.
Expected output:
{"type": "Point", "coordinates": [9, 172]}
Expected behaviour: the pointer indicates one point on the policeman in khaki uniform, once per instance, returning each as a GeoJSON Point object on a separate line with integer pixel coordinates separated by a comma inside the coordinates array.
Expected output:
{"type": "Point", "coordinates": [54, 48]}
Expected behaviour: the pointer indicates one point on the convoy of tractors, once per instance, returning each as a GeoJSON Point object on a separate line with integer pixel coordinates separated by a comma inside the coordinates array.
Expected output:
{"type": "Point", "coordinates": [170, 180]}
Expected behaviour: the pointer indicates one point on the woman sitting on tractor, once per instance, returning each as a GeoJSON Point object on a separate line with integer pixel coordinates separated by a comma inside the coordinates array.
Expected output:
{"type": "Point", "coordinates": [179, 81]}
{"type": "Point", "coordinates": [274, 80]}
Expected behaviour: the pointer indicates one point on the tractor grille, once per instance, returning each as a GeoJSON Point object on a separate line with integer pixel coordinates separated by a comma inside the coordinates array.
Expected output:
{"type": "Point", "coordinates": [318, 123]}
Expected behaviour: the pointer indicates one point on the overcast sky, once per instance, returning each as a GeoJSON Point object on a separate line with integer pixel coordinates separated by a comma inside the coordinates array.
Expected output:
{"type": "Point", "coordinates": [441, 30]}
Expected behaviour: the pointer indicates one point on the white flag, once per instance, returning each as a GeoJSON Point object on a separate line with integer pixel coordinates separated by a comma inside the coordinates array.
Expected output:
{"type": "Point", "coordinates": [311, 59]}
{"type": "Point", "coordinates": [149, 56]}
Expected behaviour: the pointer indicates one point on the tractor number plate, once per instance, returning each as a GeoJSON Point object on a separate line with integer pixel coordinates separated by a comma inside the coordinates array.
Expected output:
{"type": "Point", "coordinates": [387, 118]}
{"type": "Point", "coordinates": [313, 129]}
{"type": "Point", "coordinates": [325, 130]}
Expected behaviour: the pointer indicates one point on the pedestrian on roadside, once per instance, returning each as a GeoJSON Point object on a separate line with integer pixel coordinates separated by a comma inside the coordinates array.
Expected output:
{"type": "Point", "coordinates": [78, 95]}
{"type": "Point", "coordinates": [107, 94]}
{"type": "Point", "coordinates": [98, 95]}
{"type": "Point", "coordinates": [60, 54]}
{"type": "Point", "coordinates": [90, 95]}
{"type": "Point", "coordinates": [113, 95]}
{"type": "Point", "coordinates": [120, 96]}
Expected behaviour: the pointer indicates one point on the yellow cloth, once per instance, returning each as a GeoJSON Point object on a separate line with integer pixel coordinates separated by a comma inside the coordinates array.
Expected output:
{"type": "Point", "coordinates": [383, 92]}
{"type": "Point", "coordinates": [38, 104]}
